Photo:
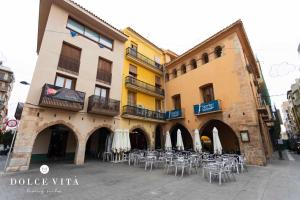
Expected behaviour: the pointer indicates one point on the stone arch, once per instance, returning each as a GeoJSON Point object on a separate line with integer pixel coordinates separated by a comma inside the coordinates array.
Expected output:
{"type": "Point", "coordinates": [145, 133]}
{"type": "Point", "coordinates": [186, 135]}
{"type": "Point", "coordinates": [228, 137]}
{"type": "Point", "coordinates": [62, 122]}
{"type": "Point", "coordinates": [107, 126]}
{"type": "Point", "coordinates": [98, 141]}
{"type": "Point", "coordinates": [51, 133]}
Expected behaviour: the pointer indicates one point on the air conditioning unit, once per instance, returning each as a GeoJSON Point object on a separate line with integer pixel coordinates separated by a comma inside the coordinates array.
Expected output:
{"type": "Point", "coordinates": [140, 106]}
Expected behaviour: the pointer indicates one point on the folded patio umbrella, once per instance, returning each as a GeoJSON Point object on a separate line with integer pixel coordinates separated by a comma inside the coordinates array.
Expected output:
{"type": "Point", "coordinates": [117, 141]}
{"type": "Point", "coordinates": [108, 143]}
{"type": "Point", "coordinates": [168, 143]}
{"type": "Point", "coordinates": [179, 143]}
{"type": "Point", "coordinates": [216, 141]}
{"type": "Point", "coordinates": [127, 145]}
{"type": "Point", "coordinates": [197, 142]}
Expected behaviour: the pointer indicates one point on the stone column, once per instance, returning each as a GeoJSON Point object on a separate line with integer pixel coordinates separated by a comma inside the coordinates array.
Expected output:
{"type": "Point", "coordinates": [21, 155]}
{"type": "Point", "coordinates": [80, 152]}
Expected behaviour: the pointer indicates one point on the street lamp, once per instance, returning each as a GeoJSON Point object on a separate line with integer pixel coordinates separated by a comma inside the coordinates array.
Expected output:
{"type": "Point", "coordinates": [24, 83]}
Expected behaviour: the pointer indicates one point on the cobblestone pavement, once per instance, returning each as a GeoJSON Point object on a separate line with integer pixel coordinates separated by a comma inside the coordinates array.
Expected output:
{"type": "Point", "coordinates": [280, 179]}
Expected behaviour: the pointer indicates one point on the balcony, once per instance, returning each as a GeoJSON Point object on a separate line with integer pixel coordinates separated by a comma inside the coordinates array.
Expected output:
{"type": "Point", "coordinates": [137, 85]}
{"type": "Point", "coordinates": [68, 64]}
{"type": "Point", "coordinates": [262, 106]}
{"type": "Point", "coordinates": [139, 58]}
{"type": "Point", "coordinates": [213, 106]}
{"type": "Point", "coordinates": [174, 114]}
{"type": "Point", "coordinates": [103, 106]}
{"type": "Point", "coordinates": [134, 112]}
{"type": "Point", "coordinates": [4, 87]}
{"type": "Point", "coordinates": [62, 98]}
{"type": "Point", "coordinates": [104, 76]}
{"type": "Point", "coordinates": [19, 110]}
{"type": "Point", "coordinates": [7, 78]}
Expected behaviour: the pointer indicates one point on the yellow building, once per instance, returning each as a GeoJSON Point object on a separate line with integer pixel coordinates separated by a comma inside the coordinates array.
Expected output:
{"type": "Point", "coordinates": [142, 91]}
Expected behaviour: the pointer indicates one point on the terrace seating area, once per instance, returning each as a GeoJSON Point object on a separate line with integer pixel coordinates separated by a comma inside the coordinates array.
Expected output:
{"type": "Point", "coordinates": [211, 167]}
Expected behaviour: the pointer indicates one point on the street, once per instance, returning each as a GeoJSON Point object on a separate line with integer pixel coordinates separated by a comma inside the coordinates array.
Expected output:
{"type": "Point", "coordinates": [280, 179]}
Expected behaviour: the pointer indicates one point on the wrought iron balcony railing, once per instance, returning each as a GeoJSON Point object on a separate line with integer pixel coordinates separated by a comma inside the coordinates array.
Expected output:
{"type": "Point", "coordinates": [142, 112]}
{"type": "Point", "coordinates": [103, 106]}
{"type": "Point", "coordinates": [144, 59]}
{"type": "Point", "coordinates": [142, 86]}
{"type": "Point", "coordinates": [58, 97]}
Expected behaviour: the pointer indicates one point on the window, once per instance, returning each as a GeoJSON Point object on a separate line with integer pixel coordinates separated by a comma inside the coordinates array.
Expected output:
{"type": "Point", "coordinates": [183, 69]}
{"type": "Point", "coordinates": [132, 71]}
{"type": "Point", "coordinates": [131, 98]}
{"type": "Point", "coordinates": [157, 82]}
{"type": "Point", "coordinates": [103, 92]}
{"type": "Point", "coordinates": [218, 51]}
{"type": "Point", "coordinates": [157, 61]}
{"type": "Point", "coordinates": [104, 70]}
{"type": "Point", "coordinates": [205, 58]}
{"type": "Point", "coordinates": [174, 72]}
{"type": "Point", "coordinates": [69, 59]}
{"type": "Point", "coordinates": [207, 93]}
{"type": "Point", "coordinates": [134, 49]}
{"type": "Point", "coordinates": [89, 33]}
{"type": "Point", "coordinates": [176, 101]}
{"type": "Point", "coordinates": [65, 82]}
{"type": "Point", "coordinates": [158, 105]}
{"type": "Point", "coordinates": [193, 64]}
{"type": "Point", "coordinates": [167, 77]}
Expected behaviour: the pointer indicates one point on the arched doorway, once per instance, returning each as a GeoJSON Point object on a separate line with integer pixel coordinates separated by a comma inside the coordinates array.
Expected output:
{"type": "Point", "coordinates": [158, 137]}
{"type": "Point", "coordinates": [228, 138]}
{"type": "Point", "coordinates": [138, 139]}
{"type": "Point", "coordinates": [186, 136]}
{"type": "Point", "coordinates": [57, 143]}
{"type": "Point", "coordinates": [99, 142]}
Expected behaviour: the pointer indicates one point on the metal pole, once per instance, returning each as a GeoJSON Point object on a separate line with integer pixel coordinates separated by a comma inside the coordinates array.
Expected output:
{"type": "Point", "coordinates": [9, 153]}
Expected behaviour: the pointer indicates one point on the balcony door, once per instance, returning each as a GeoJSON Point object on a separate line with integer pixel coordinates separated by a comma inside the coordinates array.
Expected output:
{"type": "Point", "coordinates": [177, 101]}
{"type": "Point", "coordinates": [65, 82]}
{"type": "Point", "coordinates": [102, 92]}
{"type": "Point", "coordinates": [131, 98]}
{"type": "Point", "coordinates": [207, 93]}
{"type": "Point", "coordinates": [104, 70]}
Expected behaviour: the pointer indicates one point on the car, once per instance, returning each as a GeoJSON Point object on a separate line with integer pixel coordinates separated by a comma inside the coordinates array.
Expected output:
{"type": "Point", "coordinates": [298, 147]}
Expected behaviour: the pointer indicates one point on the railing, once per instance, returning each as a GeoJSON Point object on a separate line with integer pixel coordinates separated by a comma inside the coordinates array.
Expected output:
{"type": "Point", "coordinates": [141, 57]}
{"type": "Point", "coordinates": [8, 78]}
{"type": "Point", "coordinates": [100, 105]}
{"type": "Point", "coordinates": [19, 110]}
{"type": "Point", "coordinates": [142, 112]}
{"type": "Point", "coordinates": [58, 97]}
{"type": "Point", "coordinates": [146, 86]}
{"type": "Point", "coordinates": [4, 87]}
{"type": "Point", "coordinates": [68, 63]}
{"type": "Point", "coordinates": [208, 107]}
{"type": "Point", "coordinates": [103, 75]}
{"type": "Point", "coordinates": [174, 114]}
{"type": "Point", "coordinates": [261, 102]}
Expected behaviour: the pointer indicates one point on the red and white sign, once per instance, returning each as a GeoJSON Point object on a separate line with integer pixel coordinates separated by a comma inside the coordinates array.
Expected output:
{"type": "Point", "coordinates": [12, 123]}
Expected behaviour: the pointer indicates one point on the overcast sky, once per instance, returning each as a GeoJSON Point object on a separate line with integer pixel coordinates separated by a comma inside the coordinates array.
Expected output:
{"type": "Point", "coordinates": [273, 30]}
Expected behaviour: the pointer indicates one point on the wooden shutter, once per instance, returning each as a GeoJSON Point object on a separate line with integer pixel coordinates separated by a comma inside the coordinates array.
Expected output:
{"type": "Point", "coordinates": [132, 70]}
{"type": "Point", "coordinates": [104, 70]}
{"type": "Point", "coordinates": [131, 99]}
{"type": "Point", "coordinates": [157, 81]}
{"type": "Point", "coordinates": [69, 58]}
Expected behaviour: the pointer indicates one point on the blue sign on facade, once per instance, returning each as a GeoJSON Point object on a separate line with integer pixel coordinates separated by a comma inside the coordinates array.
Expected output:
{"type": "Point", "coordinates": [207, 107]}
{"type": "Point", "coordinates": [174, 114]}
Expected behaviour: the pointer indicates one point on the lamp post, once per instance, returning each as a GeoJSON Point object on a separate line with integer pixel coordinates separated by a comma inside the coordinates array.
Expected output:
{"type": "Point", "coordinates": [15, 135]}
